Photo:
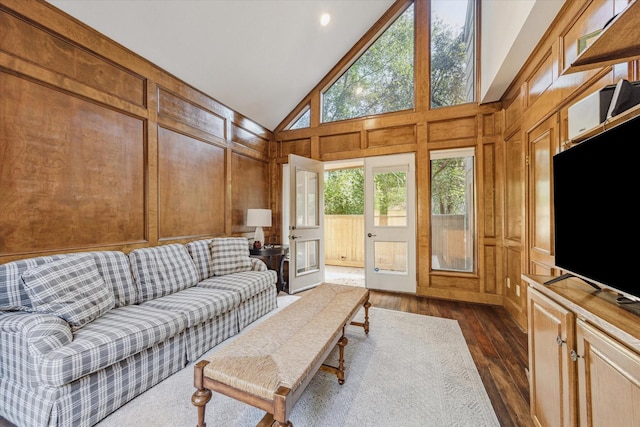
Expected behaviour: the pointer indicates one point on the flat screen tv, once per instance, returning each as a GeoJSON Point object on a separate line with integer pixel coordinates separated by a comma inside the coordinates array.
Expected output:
{"type": "Point", "coordinates": [595, 186]}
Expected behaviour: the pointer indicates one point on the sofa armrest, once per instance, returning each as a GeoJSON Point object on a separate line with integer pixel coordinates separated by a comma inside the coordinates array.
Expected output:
{"type": "Point", "coordinates": [258, 265]}
{"type": "Point", "coordinates": [41, 332]}
{"type": "Point", "coordinates": [24, 339]}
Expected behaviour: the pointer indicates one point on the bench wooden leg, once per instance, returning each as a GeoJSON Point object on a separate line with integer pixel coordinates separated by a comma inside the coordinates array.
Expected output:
{"type": "Point", "coordinates": [269, 421]}
{"type": "Point", "coordinates": [202, 395]}
{"type": "Point", "coordinates": [339, 370]}
{"type": "Point", "coordinates": [341, 344]}
{"type": "Point", "coordinates": [364, 324]}
{"type": "Point", "coordinates": [282, 407]}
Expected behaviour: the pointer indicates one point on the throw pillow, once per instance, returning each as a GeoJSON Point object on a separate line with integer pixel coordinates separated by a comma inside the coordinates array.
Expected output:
{"type": "Point", "coordinates": [70, 288]}
{"type": "Point", "coordinates": [229, 255]}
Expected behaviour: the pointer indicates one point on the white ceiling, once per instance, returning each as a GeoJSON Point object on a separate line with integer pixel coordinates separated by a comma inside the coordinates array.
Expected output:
{"type": "Point", "coordinates": [262, 57]}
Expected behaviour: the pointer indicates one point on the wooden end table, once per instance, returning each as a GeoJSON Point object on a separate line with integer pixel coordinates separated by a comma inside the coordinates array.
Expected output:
{"type": "Point", "coordinates": [275, 257]}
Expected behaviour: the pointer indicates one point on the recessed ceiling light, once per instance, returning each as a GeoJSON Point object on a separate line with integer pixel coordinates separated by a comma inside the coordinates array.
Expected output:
{"type": "Point", "coordinates": [324, 19]}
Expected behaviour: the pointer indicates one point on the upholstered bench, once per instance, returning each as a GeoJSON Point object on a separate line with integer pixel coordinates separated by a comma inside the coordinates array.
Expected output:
{"type": "Point", "coordinates": [270, 365]}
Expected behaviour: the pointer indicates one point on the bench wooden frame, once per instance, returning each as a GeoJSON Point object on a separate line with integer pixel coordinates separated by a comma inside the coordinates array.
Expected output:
{"type": "Point", "coordinates": [280, 406]}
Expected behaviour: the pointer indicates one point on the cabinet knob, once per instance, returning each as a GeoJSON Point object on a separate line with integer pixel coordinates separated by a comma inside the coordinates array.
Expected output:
{"type": "Point", "coordinates": [559, 341]}
{"type": "Point", "coordinates": [574, 356]}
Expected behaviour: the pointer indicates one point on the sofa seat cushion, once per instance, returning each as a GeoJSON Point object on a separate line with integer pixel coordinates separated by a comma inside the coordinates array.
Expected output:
{"type": "Point", "coordinates": [197, 304]}
{"type": "Point", "coordinates": [246, 284]}
{"type": "Point", "coordinates": [70, 288]}
{"type": "Point", "coordinates": [116, 335]}
{"type": "Point", "coordinates": [162, 270]}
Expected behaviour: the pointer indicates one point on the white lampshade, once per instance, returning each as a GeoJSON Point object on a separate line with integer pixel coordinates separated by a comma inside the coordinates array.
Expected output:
{"type": "Point", "coordinates": [259, 218]}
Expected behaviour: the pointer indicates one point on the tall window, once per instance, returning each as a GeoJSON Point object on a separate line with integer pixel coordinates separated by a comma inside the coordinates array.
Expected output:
{"type": "Point", "coordinates": [453, 42]}
{"type": "Point", "coordinates": [453, 210]}
{"type": "Point", "coordinates": [380, 81]}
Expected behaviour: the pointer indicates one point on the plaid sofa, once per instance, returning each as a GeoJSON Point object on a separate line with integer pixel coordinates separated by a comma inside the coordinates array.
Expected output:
{"type": "Point", "coordinates": [82, 334]}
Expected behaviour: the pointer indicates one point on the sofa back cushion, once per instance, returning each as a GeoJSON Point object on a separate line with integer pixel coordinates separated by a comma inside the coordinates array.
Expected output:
{"type": "Point", "coordinates": [70, 288]}
{"type": "Point", "coordinates": [113, 266]}
{"type": "Point", "coordinates": [115, 269]}
{"type": "Point", "coordinates": [13, 295]}
{"type": "Point", "coordinates": [162, 270]}
{"type": "Point", "coordinates": [229, 255]}
{"type": "Point", "coordinates": [201, 255]}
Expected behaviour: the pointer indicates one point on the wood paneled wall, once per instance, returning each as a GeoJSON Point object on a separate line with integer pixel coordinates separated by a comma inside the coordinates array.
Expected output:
{"type": "Point", "coordinates": [536, 112]}
{"type": "Point", "coordinates": [102, 150]}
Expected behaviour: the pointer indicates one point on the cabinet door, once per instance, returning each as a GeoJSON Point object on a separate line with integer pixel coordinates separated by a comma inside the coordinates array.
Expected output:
{"type": "Point", "coordinates": [608, 380]}
{"type": "Point", "coordinates": [543, 144]}
{"type": "Point", "coordinates": [551, 370]}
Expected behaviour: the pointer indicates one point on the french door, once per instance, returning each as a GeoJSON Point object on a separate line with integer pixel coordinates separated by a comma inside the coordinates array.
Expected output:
{"type": "Point", "coordinates": [306, 223]}
{"type": "Point", "coordinates": [390, 223]}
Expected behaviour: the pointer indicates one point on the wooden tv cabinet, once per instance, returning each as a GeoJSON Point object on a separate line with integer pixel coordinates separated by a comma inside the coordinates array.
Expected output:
{"type": "Point", "coordinates": [584, 355]}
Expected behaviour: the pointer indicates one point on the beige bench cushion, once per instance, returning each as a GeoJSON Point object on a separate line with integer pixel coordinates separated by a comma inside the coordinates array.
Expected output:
{"type": "Point", "coordinates": [283, 349]}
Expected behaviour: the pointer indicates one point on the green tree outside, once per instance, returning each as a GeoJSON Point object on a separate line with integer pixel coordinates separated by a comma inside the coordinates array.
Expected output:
{"type": "Point", "coordinates": [448, 52]}
{"type": "Point", "coordinates": [380, 81]}
{"type": "Point", "coordinates": [448, 179]}
{"type": "Point", "coordinates": [344, 192]}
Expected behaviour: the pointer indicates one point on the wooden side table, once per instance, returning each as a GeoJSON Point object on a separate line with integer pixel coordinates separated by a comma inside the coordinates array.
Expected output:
{"type": "Point", "coordinates": [275, 257]}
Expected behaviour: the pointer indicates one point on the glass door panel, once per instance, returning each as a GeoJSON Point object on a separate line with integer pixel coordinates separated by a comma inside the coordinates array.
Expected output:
{"type": "Point", "coordinates": [307, 260]}
{"type": "Point", "coordinates": [390, 257]}
{"type": "Point", "coordinates": [307, 198]}
{"type": "Point", "coordinates": [389, 198]}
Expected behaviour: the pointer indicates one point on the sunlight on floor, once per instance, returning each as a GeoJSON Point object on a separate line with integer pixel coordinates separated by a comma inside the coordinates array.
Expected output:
{"type": "Point", "coordinates": [344, 275]}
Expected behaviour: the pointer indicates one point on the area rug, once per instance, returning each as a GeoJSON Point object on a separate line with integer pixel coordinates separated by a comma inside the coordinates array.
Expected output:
{"type": "Point", "coordinates": [411, 370]}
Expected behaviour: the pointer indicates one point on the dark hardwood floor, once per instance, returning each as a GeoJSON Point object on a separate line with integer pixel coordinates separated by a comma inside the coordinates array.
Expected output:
{"type": "Point", "coordinates": [496, 342]}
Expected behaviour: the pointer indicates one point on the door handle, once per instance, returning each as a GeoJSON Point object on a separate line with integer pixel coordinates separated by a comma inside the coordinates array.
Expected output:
{"type": "Point", "coordinates": [371, 235]}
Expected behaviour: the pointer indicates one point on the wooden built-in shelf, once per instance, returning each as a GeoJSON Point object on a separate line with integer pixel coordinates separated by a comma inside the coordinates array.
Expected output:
{"type": "Point", "coordinates": [618, 42]}
{"type": "Point", "coordinates": [607, 124]}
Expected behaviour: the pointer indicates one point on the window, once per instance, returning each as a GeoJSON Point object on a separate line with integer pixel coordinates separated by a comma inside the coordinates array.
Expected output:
{"type": "Point", "coordinates": [452, 52]}
{"type": "Point", "coordinates": [304, 121]}
{"type": "Point", "coordinates": [380, 81]}
{"type": "Point", "coordinates": [452, 210]}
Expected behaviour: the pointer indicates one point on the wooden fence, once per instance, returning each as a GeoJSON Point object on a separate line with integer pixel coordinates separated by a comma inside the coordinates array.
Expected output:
{"type": "Point", "coordinates": [344, 240]}
{"type": "Point", "coordinates": [344, 243]}
{"type": "Point", "coordinates": [451, 246]}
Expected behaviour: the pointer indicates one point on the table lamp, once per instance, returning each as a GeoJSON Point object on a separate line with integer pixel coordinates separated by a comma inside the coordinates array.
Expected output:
{"type": "Point", "coordinates": [258, 218]}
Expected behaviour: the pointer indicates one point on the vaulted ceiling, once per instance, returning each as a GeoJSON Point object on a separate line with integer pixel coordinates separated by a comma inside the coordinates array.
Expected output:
{"type": "Point", "coordinates": [262, 57]}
